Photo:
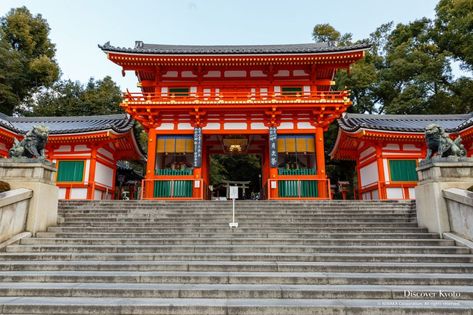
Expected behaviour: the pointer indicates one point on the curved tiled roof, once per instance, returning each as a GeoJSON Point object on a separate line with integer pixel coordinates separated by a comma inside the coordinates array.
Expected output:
{"type": "Point", "coordinates": [404, 123]}
{"type": "Point", "coordinates": [142, 48]}
{"type": "Point", "coordinates": [61, 125]}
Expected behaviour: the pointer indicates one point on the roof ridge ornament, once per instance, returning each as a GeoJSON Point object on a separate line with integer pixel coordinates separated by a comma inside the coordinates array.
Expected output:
{"type": "Point", "coordinates": [139, 44]}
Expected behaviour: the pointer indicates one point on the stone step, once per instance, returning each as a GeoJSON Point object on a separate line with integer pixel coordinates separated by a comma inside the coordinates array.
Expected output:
{"type": "Point", "coordinates": [362, 233]}
{"type": "Point", "coordinates": [236, 266]}
{"type": "Point", "coordinates": [197, 277]}
{"type": "Point", "coordinates": [246, 223]}
{"type": "Point", "coordinates": [243, 206]}
{"type": "Point", "coordinates": [225, 230]}
{"type": "Point", "coordinates": [224, 221]}
{"type": "Point", "coordinates": [279, 257]}
{"type": "Point", "coordinates": [243, 227]}
{"type": "Point", "coordinates": [235, 291]}
{"type": "Point", "coordinates": [234, 241]}
{"type": "Point", "coordinates": [249, 248]}
{"type": "Point", "coordinates": [175, 306]}
{"type": "Point", "coordinates": [275, 218]}
{"type": "Point", "coordinates": [267, 211]}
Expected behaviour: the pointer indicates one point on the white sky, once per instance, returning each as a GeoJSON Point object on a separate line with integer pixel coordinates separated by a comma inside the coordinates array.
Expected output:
{"type": "Point", "coordinates": [78, 26]}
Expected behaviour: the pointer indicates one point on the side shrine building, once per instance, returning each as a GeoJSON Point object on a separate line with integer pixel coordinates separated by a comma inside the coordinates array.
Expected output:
{"type": "Point", "coordinates": [387, 149]}
{"type": "Point", "coordinates": [86, 150]}
{"type": "Point", "coordinates": [272, 100]}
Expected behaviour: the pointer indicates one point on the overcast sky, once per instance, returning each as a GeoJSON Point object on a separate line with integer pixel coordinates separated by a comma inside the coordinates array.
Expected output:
{"type": "Point", "coordinates": [78, 26]}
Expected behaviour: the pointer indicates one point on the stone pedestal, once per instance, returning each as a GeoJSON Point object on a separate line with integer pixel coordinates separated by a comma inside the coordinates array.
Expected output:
{"type": "Point", "coordinates": [435, 176]}
{"type": "Point", "coordinates": [39, 176]}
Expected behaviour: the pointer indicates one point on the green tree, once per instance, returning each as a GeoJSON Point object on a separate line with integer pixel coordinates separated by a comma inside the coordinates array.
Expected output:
{"type": "Point", "coordinates": [324, 33]}
{"type": "Point", "coordinates": [417, 76]}
{"type": "Point", "coordinates": [26, 58]}
{"type": "Point", "coordinates": [454, 26]}
{"type": "Point", "coordinates": [71, 98]}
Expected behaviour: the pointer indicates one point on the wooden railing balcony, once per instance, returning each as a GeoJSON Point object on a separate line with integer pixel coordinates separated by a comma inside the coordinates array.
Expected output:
{"type": "Point", "coordinates": [236, 98]}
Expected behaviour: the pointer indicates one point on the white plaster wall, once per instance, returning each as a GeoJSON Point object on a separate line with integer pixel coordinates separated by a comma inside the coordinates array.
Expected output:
{"type": "Point", "coordinates": [366, 196]}
{"type": "Point", "coordinates": [106, 153]}
{"type": "Point", "coordinates": [87, 170]}
{"type": "Point", "coordinates": [235, 73]}
{"type": "Point", "coordinates": [81, 147]}
{"type": "Point", "coordinates": [410, 147]}
{"type": "Point", "coordinates": [78, 193]}
{"type": "Point", "coordinates": [306, 89]}
{"type": "Point", "coordinates": [188, 74]}
{"type": "Point", "coordinates": [103, 175]}
{"type": "Point", "coordinates": [62, 193]}
{"type": "Point", "coordinates": [212, 74]}
{"type": "Point", "coordinates": [369, 151]}
{"type": "Point", "coordinates": [170, 74]}
{"type": "Point", "coordinates": [97, 195]}
{"type": "Point", "coordinates": [236, 126]}
{"type": "Point", "coordinates": [394, 193]}
{"type": "Point", "coordinates": [258, 126]}
{"type": "Point", "coordinates": [257, 73]}
{"type": "Point", "coordinates": [63, 148]}
{"type": "Point", "coordinates": [165, 126]}
{"type": "Point", "coordinates": [184, 126]}
{"type": "Point", "coordinates": [369, 174]}
{"type": "Point", "coordinates": [212, 126]}
{"type": "Point", "coordinates": [375, 194]}
{"type": "Point", "coordinates": [286, 125]}
{"type": "Point", "coordinates": [412, 193]}
{"type": "Point", "coordinates": [305, 125]}
{"type": "Point", "coordinates": [282, 73]}
{"type": "Point", "coordinates": [392, 146]}
{"type": "Point", "coordinates": [386, 171]}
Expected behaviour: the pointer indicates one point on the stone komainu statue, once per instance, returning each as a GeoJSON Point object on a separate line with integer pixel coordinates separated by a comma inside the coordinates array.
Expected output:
{"type": "Point", "coordinates": [439, 143]}
{"type": "Point", "coordinates": [32, 146]}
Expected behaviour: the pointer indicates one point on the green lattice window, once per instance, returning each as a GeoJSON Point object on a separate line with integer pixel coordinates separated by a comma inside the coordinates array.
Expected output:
{"type": "Point", "coordinates": [70, 171]}
{"type": "Point", "coordinates": [403, 170]}
{"type": "Point", "coordinates": [294, 188]}
{"type": "Point", "coordinates": [291, 90]}
{"type": "Point", "coordinates": [177, 188]}
{"type": "Point", "coordinates": [179, 91]}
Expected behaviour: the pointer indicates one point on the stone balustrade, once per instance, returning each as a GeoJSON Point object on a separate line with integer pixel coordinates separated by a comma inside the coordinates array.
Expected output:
{"type": "Point", "coordinates": [14, 206]}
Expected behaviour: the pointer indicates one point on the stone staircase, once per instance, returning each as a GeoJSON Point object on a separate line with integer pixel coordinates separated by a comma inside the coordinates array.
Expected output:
{"type": "Point", "coordinates": [324, 257]}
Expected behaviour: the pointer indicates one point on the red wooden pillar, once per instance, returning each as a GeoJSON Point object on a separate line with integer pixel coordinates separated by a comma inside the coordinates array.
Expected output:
{"type": "Point", "coordinates": [359, 183]}
{"type": "Point", "coordinates": [91, 179]}
{"type": "Point", "coordinates": [320, 160]}
{"type": "Point", "coordinates": [150, 164]}
{"type": "Point", "coordinates": [381, 177]}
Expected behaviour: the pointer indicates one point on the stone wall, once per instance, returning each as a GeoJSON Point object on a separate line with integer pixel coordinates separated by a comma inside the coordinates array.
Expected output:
{"type": "Point", "coordinates": [38, 176]}
{"type": "Point", "coordinates": [435, 176]}
{"type": "Point", "coordinates": [460, 211]}
{"type": "Point", "coordinates": [14, 205]}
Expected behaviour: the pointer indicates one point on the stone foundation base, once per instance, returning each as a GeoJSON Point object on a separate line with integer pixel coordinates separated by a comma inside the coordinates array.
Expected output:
{"type": "Point", "coordinates": [39, 176]}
